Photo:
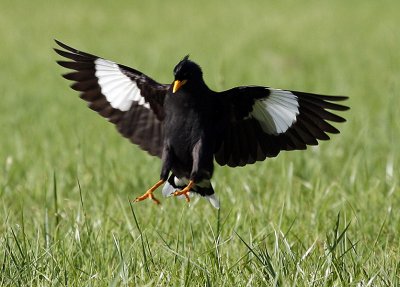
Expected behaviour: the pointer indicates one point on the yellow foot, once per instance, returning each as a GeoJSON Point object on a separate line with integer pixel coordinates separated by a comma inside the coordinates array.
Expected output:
{"type": "Point", "coordinates": [149, 193]}
{"type": "Point", "coordinates": [185, 191]}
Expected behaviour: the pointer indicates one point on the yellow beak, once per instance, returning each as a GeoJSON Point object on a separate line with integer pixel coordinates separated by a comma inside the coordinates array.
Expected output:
{"type": "Point", "coordinates": [177, 85]}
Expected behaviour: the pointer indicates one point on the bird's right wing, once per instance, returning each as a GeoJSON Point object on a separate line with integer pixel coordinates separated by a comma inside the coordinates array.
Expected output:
{"type": "Point", "coordinates": [126, 97]}
{"type": "Point", "coordinates": [263, 121]}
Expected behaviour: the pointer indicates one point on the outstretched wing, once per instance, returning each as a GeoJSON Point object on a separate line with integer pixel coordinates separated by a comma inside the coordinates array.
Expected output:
{"type": "Point", "coordinates": [126, 97]}
{"type": "Point", "coordinates": [263, 121]}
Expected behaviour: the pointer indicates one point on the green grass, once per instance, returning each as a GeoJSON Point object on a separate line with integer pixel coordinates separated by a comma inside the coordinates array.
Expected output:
{"type": "Point", "coordinates": [327, 216]}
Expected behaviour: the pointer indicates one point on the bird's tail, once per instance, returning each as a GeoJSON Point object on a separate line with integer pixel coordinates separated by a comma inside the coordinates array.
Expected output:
{"type": "Point", "coordinates": [203, 188]}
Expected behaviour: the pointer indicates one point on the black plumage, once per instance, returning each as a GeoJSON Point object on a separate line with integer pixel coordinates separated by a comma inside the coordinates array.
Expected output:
{"type": "Point", "coordinates": [189, 126]}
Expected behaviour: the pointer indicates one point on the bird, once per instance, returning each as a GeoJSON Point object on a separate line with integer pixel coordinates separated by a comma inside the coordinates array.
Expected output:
{"type": "Point", "coordinates": [190, 127]}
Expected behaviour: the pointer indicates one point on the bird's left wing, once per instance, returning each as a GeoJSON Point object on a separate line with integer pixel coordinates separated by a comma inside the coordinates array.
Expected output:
{"type": "Point", "coordinates": [262, 121]}
{"type": "Point", "coordinates": [126, 97]}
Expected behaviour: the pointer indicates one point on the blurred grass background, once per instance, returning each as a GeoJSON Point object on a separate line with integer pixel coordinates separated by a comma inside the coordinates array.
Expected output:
{"type": "Point", "coordinates": [325, 216]}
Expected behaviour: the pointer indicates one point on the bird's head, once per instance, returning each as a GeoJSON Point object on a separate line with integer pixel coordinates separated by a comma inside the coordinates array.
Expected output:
{"type": "Point", "coordinates": [186, 72]}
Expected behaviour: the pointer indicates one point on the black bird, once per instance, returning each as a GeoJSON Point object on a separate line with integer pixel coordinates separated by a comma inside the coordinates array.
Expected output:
{"type": "Point", "coordinates": [188, 125]}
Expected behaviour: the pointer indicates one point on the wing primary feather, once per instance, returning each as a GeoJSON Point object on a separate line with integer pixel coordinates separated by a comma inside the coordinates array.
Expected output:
{"type": "Point", "coordinates": [296, 139]}
{"type": "Point", "coordinates": [92, 94]}
{"type": "Point", "coordinates": [323, 104]}
{"type": "Point", "coordinates": [68, 48]}
{"type": "Point", "coordinates": [74, 56]}
{"type": "Point", "coordinates": [314, 129]}
{"type": "Point", "coordinates": [324, 114]}
{"type": "Point", "coordinates": [85, 85]}
{"type": "Point", "coordinates": [307, 136]}
{"type": "Point", "coordinates": [79, 76]}
{"type": "Point", "coordinates": [321, 123]}
{"type": "Point", "coordinates": [78, 66]}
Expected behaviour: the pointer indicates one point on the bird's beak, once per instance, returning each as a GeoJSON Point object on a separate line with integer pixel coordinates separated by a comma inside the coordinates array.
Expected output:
{"type": "Point", "coordinates": [177, 85]}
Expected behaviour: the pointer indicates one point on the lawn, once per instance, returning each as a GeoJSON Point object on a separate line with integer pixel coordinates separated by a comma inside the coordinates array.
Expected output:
{"type": "Point", "coordinates": [328, 216]}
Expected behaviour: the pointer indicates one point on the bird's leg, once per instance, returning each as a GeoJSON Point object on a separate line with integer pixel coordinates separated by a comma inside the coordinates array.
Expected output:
{"type": "Point", "coordinates": [149, 193]}
{"type": "Point", "coordinates": [166, 158]}
{"type": "Point", "coordinates": [185, 191]}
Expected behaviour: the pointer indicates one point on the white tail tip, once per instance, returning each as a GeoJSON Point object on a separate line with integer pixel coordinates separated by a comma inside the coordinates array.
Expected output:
{"type": "Point", "coordinates": [213, 200]}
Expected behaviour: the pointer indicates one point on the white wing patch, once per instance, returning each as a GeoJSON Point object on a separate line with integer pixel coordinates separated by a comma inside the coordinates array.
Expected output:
{"type": "Point", "coordinates": [119, 90]}
{"type": "Point", "coordinates": [276, 113]}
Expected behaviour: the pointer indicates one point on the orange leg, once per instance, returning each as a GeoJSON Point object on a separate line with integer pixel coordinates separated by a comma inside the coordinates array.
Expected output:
{"type": "Point", "coordinates": [185, 191]}
{"type": "Point", "coordinates": [149, 193]}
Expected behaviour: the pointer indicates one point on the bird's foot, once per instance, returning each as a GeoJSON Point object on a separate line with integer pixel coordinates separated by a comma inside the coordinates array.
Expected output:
{"type": "Point", "coordinates": [185, 192]}
{"type": "Point", "coordinates": [149, 193]}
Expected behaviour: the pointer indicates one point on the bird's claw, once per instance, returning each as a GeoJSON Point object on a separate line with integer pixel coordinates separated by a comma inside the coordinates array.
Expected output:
{"type": "Point", "coordinates": [186, 191]}
{"type": "Point", "coordinates": [183, 192]}
{"type": "Point", "coordinates": [145, 196]}
{"type": "Point", "coordinates": [149, 193]}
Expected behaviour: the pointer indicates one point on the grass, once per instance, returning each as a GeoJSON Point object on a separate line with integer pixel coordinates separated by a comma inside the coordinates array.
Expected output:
{"type": "Point", "coordinates": [327, 216]}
